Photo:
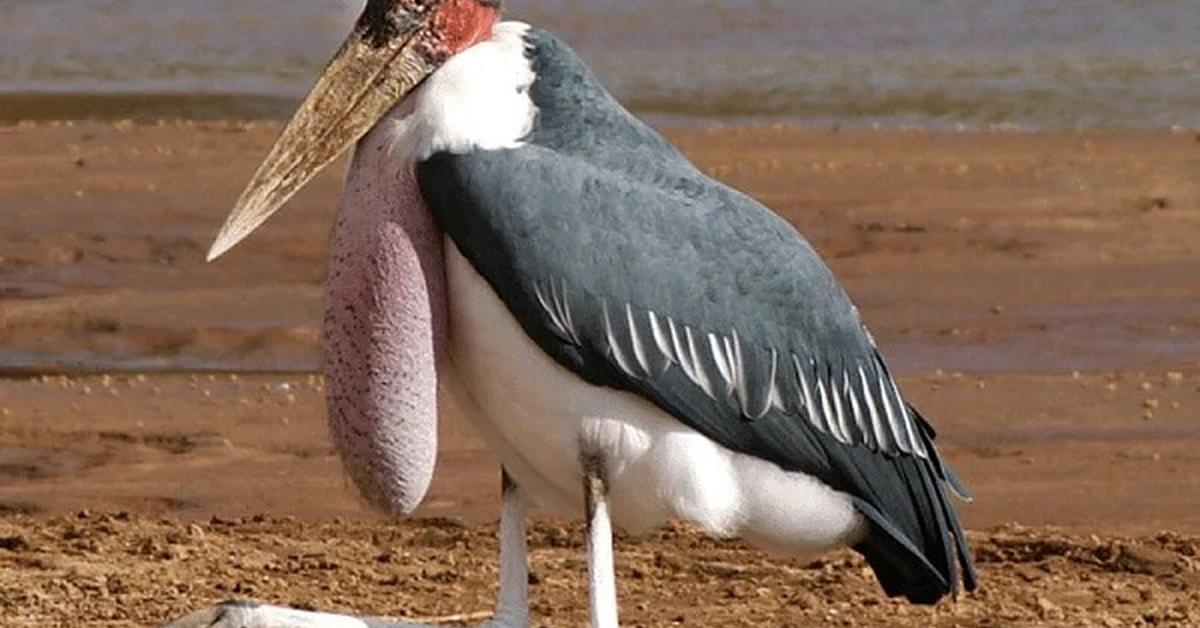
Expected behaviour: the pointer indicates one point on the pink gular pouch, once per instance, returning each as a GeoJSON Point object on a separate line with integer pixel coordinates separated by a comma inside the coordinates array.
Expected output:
{"type": "Point", "coordinates": [385, 328]}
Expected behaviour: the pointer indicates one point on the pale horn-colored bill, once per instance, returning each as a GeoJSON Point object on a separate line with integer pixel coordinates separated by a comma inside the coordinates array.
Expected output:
{"type": "Point", "coordinates": [359, 86]}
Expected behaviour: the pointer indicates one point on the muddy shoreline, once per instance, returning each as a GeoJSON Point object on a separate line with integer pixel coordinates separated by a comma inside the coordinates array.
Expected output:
{"type": "Point", "coordinates": [976, 252]}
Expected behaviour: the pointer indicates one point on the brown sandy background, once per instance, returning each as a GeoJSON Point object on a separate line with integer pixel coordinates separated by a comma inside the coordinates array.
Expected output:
{"type": "Point", "coordinates": [1039, 293]}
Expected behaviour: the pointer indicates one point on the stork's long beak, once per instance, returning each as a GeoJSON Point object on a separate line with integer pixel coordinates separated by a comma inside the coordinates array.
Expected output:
{"type": "Point", "coordinates": [381, 62]}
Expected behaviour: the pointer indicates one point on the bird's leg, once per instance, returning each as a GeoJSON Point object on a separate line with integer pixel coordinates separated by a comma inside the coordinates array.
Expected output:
{"type": "Point", "coordinates": [602, 583]}
{"type": "Point", "coordinates": [512, 609]}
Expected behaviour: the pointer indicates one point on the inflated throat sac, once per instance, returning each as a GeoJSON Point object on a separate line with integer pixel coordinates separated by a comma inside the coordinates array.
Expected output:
{"type": "Point", "coordinates": [384, 328]}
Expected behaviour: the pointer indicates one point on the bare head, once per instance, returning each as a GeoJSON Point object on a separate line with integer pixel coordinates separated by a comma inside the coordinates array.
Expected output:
{"type": "Point", "coordinates": [394, 46]}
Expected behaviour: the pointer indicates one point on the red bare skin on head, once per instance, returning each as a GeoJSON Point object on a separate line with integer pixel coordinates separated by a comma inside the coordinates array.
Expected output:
{"type": "Point", "coordinates": [460, 24]}
{"type": "Point", "coordinates": [450, 26]}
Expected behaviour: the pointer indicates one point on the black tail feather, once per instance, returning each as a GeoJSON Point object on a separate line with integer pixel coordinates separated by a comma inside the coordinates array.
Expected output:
{"type": "Point", "coordinates": [925, 556]}
{"type": "Point", "coordinates": [901, 568]}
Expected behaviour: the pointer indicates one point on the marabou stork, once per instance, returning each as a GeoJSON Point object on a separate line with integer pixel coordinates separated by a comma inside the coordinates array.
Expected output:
{"type": "Point", "coordinates": [634, 339]}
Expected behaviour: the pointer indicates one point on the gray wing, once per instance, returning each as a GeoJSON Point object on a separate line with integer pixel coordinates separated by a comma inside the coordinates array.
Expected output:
{"type": "Point", "coordinates": [711, 286]}
{"type": "Point", "coordinates": [634, 270]}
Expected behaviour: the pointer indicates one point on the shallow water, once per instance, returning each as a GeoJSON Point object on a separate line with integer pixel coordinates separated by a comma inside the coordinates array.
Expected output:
{"type": "Point", "coordinates": [1068, 64]}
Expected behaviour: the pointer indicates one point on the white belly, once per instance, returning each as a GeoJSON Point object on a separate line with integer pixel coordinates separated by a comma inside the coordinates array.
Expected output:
{"type": "Point", "coordinates": [538, 416]}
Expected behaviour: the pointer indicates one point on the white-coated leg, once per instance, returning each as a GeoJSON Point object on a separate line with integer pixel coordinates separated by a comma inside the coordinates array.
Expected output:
{"type": "Point", "coordinates": [512, 608]}
{"type": "Point", "coordinates": [602, 582]}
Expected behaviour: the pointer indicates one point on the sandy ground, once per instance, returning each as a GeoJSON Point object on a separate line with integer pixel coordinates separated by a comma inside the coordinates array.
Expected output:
{"type": "Point", "coordinates": [1040, 295]}
{"type": "Point", "coordinates": [124, 569]}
